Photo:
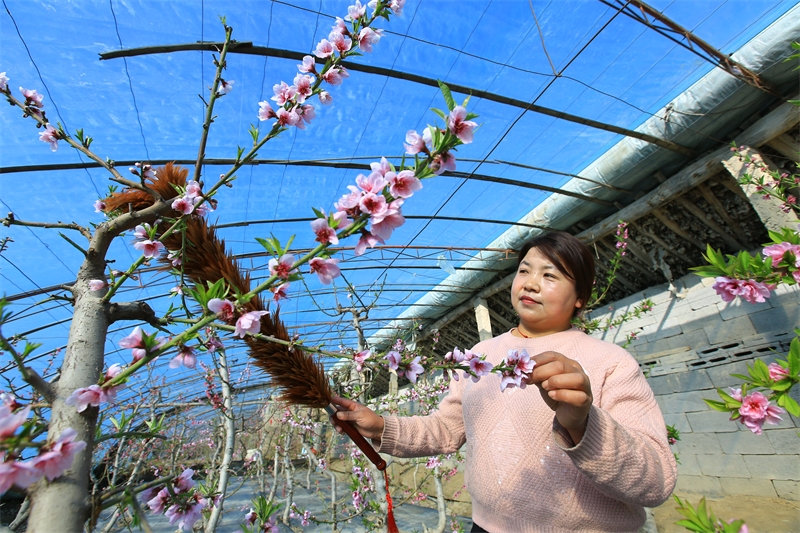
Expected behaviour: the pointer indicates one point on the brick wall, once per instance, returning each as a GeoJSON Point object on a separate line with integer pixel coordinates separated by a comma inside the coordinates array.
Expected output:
{"type": "Point", "coordinates": [688, 346]}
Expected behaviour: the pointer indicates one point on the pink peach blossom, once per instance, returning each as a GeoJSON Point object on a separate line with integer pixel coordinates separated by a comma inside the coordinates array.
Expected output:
{"type": "Point", "coordinates": [32, 97]}
{"type": "Point", "coordinates": [58, 459]}
{"type": "Point", "coordinates": [480, 368]}
{"type": "Point", "coordinates": [415, 143]}
{"type": "Point", "coordinates": [374, 205]}
{"type": "Point", "coordinates": [373, 183]}
{"type": "Point", "coordinates": [442, 161]}
{"type": "Point", "coordinates": [99, 206]}
{"type": "Point", "coordinates": [335, 75]}
{"type": "Point", "coordinates": [283, 93]}
{"type": "Point", "coordinates": [325, 98]}
{"type": "Point", "coordinates": [777, 372]}
{"type": "Point", "coordinates": [779, 251]}
{"type": "Point", "coordinates": [340, 27]}
{"type": "Point", "coordinates": [83, 397]}
{"type": "Point", "coordinates": [50, 135]}
{"type": "Point", "coordinates": [367, 239]}
{"type": "Point", "coordinates": [307, 65]}
{"type": "Point", "coordinates": [390, 219]}
{"type": "Point", "coordinates": [326, 269]}
{"type": "Point", "coordinates": [225, 86]}
{"type": "Point", "coordinates": [183, 204]}
{"type": "Point", "coordinates": [360, 357]}
{"type": "Point", "coordinates": [113, 371]}
{"type": "Point", "coordinates": [193, 189]}
{"type": "Point", "coordinates": [459, 126]}
{"type": "Point", "coordinates": [302, 87]}
{"type": "Point", "coordinates": [280, 292]}
{"type": "Point", "coordinates": [340, 42]}
{"type": "Point", "coordinates": [265, 111]}
{"type": "Point", "coordinates": [10, 422]}
{"type": "Point", "coordinates": [23, 474]}
{"type": "Point", "coordinates": [394, 359]}
{"type": "Point", "coordinates": [224, 308]}
{"type": "Point", "coordinates": [287, 118]}
{"type": "Point", "coordinates": [307, 113]}
{"type": "Point", "coordinates": [133, 340]}
{"type": "Point", "coordinates": [3, 82]}
{"type": "Point", "coordinates": [325, 234]}
{"type": "Point", "coordinates": [282, 267]}
{"type": "Point", "coordinates": [367, 37]}
{"type": "Point", "coordinates": [141, 232]}
{"type": "Point", "coordinates": [355, 11]}
{"type": "Point", "coordinates": [413, 369]}
{"type": "Point", "coordinates": [159, 501]}
{"type": "Point", "coordinates": [751, 290]}
{"type": "Point", "coordinates": [324, 49]}
{"type": "Point", "coordinates": [403, 184]}
{"type": "Point", "coordinates": [96, 284]}
{"type": "Point", "coordinates": [383, 167]}
{"type": "Point", "coordinates": [249, 323]}
{"type": "Point", "coordinates": [186, 357]}
{"type": "Point", "coordinates": [150, 249]}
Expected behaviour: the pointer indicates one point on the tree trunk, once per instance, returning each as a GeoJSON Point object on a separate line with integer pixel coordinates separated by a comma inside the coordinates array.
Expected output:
{"type": "Point", "coordinates": [63, 504]}
{"type": "Point", "coordinates": [230, 442]}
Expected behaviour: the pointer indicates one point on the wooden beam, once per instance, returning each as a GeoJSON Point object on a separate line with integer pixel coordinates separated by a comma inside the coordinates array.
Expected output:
{"type": "Point", "coordinates": [500, 318]}
{"type": "Point", "coordinates": [714, 202]}
{"type": "Point", "coordinates": [702, 216]}
{"type": "Point", "coordinates": [787, 146]}
{"type": "Point", "coordinates": [673, 226]}
{"type": "Point", "coordinates": [779, 121]}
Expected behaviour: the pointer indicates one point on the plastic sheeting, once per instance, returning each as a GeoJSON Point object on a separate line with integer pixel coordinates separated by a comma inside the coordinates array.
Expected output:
{"type": "Point", "coordinates": [698, 118]}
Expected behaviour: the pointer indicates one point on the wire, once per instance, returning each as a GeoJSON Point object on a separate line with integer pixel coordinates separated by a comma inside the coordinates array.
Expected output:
{"type": "Point", "coordinates": [130, 81]}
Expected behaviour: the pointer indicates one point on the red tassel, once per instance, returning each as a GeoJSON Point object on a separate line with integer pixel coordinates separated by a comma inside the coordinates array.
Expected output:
{"type": "Point", "coordinates": [390, 524]}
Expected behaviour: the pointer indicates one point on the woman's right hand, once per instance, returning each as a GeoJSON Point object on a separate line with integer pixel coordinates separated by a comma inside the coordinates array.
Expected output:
{"type": "Point", "coordinates": [364, 419]}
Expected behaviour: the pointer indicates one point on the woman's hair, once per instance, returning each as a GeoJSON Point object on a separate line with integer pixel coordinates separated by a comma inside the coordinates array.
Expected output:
{"type": "Point", "coordinates": [570, 256]}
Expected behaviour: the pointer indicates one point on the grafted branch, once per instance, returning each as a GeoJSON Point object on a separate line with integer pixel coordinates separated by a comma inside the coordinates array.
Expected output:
{"type": "Point", "coordinates": [132, 311]}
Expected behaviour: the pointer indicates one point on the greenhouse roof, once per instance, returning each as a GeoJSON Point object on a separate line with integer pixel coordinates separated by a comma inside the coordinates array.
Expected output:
{"type": "Point", "coordinates": [556, 85]}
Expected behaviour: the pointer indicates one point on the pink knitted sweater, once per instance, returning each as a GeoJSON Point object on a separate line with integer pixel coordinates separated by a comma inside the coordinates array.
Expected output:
{"type": "Point", "coordinates": [523, 471]}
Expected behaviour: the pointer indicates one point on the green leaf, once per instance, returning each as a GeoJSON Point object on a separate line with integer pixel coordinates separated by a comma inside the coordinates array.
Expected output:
{"type": "Point", "coordinates": [440, 113]}
{"type": "Point", "coordinates": [448, 96]}
{"type": "Point", "coordinates": [791, 405]}
{"type": "Point", "coordinates": [794, 357]}
{"type": "Point", "coordinates": [717, 405]}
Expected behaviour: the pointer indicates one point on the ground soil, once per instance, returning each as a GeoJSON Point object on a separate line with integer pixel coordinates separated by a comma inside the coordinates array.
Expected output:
{"type": "Point", "coordinates": [762, 515]}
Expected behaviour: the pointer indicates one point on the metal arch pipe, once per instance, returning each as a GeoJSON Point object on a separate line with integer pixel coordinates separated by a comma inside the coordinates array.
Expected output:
{"type": "Point", "coordinates": [246, 47]}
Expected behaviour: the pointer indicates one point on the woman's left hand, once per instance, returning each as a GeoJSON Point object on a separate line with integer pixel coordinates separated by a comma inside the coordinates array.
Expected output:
{"type": "Point", "coordinates": [565, 388]}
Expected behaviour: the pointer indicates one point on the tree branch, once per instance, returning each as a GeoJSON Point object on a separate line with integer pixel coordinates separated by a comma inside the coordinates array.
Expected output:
{"type": "Point", "coordinates": [132, 311]}
{"type": "Point", "coordinates": [11, 221]}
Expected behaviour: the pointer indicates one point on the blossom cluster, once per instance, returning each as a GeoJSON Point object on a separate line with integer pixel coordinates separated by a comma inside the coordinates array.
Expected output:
{"type": "Point", "coordinates": [249, 322]}
{"type": "Point", "coordinates": [756, 410]}
{"type": "Point", "coordinates": [473, 364]}
{"type": "Point", "coordinates": [292, 100]}
{"type": "Point", "coordinates": [52, 460]}
{"type": "Point", "coordinates": [751, 290]}
{"type": "Point", "coordinates": [515, 369]}
{"type": "Point", "coordinates": [405, 365]}
{"type": "Point", "coordinates": [187, 203]}
{"type": "Point", "coordinates": [182, 505]}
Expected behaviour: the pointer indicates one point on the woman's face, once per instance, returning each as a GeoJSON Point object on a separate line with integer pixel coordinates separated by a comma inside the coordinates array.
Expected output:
{"type": "Point", "coordinates": [543, 297]}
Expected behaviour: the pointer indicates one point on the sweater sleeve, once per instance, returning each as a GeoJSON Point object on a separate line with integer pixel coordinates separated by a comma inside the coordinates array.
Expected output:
{"type": "Point", "coordinates": [624, 452]}
{"type": "Point", "coordinates": [421, 436]}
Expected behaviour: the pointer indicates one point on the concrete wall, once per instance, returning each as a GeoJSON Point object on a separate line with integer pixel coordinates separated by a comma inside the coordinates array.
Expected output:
{"type": "Point", "coordinates": [688, 346]}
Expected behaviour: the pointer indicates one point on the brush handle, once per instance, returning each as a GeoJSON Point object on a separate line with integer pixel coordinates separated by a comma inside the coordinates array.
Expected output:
{"type": "Point", "coordinates": [357, 439]}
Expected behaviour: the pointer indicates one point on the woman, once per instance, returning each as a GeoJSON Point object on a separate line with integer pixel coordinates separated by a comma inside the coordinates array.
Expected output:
{"type": "Point", "coordinates": [584, 450]}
